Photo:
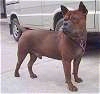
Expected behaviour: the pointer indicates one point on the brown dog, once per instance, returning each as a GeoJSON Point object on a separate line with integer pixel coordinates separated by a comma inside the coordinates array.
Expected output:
{"type": "Point", "coordinates": [66, 45]}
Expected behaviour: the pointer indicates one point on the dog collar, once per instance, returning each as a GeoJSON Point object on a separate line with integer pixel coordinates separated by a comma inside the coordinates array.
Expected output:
{"type": "Point", "coordinates": [83, 45]}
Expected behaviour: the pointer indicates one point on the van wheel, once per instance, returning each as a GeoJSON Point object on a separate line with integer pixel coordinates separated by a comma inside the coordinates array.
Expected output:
{"type": "Point", "coordinates": [15, 30]}
{"type": "Point", "coordinates": [59, 25]}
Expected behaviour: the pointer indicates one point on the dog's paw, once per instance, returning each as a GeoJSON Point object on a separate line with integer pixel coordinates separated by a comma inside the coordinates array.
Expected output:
{"type": "Point", "coordinates": [73, 88]}
{"type": "Point", "coordinates": [78, 80]}
{"type": "Point", "coordinates": [33, 76]}
{"type": "Point", "coordinates": [17, 74]}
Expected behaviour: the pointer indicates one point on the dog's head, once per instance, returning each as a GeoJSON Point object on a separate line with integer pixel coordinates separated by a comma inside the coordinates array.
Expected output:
{"type": "Point", "coordinates": [74, 21]}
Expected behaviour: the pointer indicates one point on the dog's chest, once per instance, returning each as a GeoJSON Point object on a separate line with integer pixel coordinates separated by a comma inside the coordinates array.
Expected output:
{"type": "Point", "coordinates": [70, 48]}
{"type": "Point", "coordinates": [78, 51]}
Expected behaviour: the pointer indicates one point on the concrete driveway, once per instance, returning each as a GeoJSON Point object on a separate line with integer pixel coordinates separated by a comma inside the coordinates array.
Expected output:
{"type": "Point", "coordinates": [50, 72]}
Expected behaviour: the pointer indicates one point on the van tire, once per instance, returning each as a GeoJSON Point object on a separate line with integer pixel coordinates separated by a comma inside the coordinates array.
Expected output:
{"type": "Point", "coordinates": [59, 25]}
{"type": "Point", "coordinates": [14, 29]}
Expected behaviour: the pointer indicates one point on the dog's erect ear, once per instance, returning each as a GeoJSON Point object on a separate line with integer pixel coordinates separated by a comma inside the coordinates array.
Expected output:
{"type": "Point", "coordinates": [64, 10]}
{"type": "Point", "coordinates": [82, 8]}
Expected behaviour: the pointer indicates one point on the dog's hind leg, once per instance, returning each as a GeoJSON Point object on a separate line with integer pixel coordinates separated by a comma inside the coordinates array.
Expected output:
{"type": "Point", "coordinates": [30, 64]}
{"type": "Point", "coordinates": [21, 57]}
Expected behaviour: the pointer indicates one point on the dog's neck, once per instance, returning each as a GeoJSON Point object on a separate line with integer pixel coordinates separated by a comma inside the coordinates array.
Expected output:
{"type": "Point", "coordinates": [77, 40]}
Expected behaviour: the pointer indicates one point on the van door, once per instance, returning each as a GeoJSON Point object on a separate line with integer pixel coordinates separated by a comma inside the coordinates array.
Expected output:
{"type": "Point", "coordinates": [91, 17]}
{"type": "Point", "coordinates": [30, 13]}
{"type": "Point", "coordinates": [48, 9]}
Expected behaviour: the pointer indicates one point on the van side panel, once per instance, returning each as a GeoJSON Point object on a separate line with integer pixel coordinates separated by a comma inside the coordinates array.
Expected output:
{"type": "Point", "coordinates": [30, 12]}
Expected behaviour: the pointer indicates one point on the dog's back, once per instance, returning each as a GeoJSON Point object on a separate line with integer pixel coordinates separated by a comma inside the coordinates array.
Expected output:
{"type": "Point", "coordinates": [41, 43]}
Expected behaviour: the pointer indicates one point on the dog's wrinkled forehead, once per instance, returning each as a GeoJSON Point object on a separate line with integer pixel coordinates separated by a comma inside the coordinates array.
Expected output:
{"type": "Point", "coordinates": [74, 16]}
{"type": "Point", "coordinates": [81, 11]}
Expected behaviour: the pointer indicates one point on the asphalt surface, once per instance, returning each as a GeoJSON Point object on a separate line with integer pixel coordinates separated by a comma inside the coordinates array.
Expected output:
{"type": "Point", "coordinates": [49, 71]}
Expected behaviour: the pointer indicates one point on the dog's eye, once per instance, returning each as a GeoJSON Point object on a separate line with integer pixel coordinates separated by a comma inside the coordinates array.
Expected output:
{"type": "Point", "coordinates": [75, 18]}
{"type": "Point", "coordinates": [66, 18]}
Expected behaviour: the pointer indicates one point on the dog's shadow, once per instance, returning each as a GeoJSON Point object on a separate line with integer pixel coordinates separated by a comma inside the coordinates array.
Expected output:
{"type": "Point", "coordinates": [50, 71]}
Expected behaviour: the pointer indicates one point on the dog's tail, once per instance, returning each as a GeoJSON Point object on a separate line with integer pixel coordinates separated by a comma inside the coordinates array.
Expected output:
{"type": "Point", "coordinates": [22, 28]}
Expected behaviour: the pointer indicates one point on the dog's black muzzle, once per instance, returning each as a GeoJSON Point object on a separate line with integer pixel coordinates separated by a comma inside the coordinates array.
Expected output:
{"type": "Point", "coordinates": [67, 26]}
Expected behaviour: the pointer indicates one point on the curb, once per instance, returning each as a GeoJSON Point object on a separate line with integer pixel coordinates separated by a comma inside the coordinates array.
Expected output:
{"type": "Point", "coordinates": [3, 21]}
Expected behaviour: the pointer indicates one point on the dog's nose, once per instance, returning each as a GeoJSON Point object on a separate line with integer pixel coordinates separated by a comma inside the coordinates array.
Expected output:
{"type": "Point", "coordinates": [67, 26]}
{"type": "Point", "coordinates": [65, 23]}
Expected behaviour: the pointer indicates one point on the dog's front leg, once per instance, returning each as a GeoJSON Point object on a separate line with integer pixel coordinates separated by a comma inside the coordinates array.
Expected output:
{"type": "Point", "coordinates": [76, 63]}
{"type": "Point", "coordinates": [67, 71]}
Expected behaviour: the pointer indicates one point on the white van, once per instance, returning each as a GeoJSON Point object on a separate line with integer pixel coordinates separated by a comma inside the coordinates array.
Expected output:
{"type": "Point", "coordinates": [47, 14]}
